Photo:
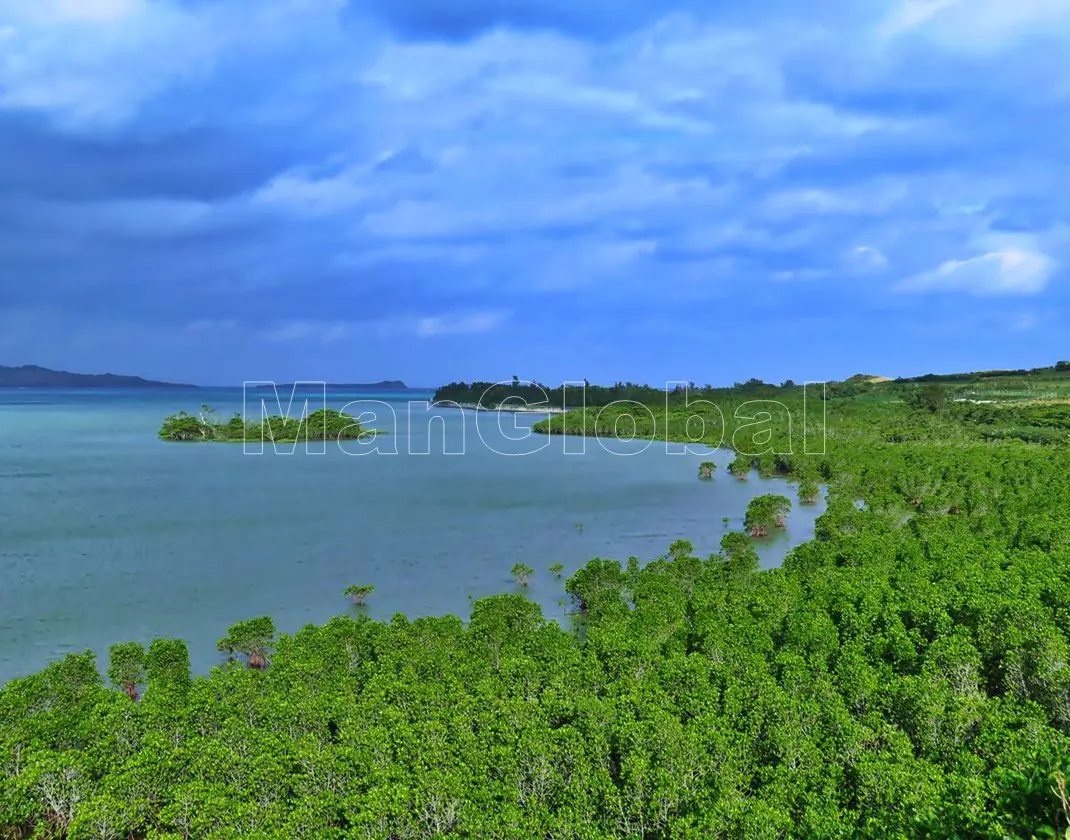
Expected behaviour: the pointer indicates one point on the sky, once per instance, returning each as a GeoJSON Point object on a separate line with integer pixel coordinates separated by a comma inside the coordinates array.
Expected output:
{"type": "Point", "coordinates": [214, 191]}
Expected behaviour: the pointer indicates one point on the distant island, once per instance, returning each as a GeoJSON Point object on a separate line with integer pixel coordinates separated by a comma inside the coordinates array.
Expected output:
{"type": "Point", "coordinates": [33, 376]}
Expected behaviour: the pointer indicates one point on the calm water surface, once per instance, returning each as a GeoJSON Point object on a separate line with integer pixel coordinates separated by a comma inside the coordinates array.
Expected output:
{"type": "Point", "coordinates": [109, 534]}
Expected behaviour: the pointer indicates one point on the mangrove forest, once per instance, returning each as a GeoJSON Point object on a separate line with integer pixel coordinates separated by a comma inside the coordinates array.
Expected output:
{"type": "Point", "coordinates": [324, 424]}
{"type": "Point", "coordinates": [904, 674]}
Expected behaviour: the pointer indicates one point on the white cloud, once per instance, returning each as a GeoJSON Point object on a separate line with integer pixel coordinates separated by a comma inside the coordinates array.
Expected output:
{"type": "Point", "coordinates": [531, 89]}
{"type": "Point", "coordinates": [98, 10]}
{"type": "Point", "coordinates": [811, 201]}
{"type": "Point", "coordinates": [430, 219]}
{"type": "Point", "coordinates": [311, 196]}
{"type": "Point", "coordinates": [975, 25]}
{"type": "Point", "coordinates": [801, 275]}
{"type": "Point", "coordinates": [444, 253]}
{"type": "Point", "coordinates": [307, 331]}
{"type": "Point", "coordinates": [98, 61]}
{"type": "Point", "coordinates": [911, 14]}
{"type": "Point", "coordinates": [426, 326]}
{"type": "Point", "coordinates": [867, 258]}
{"type": "Point", "coordinates": [1011, 271]}
{"type": "Point", "coordinates": [95, 63]}
{"type": "Point", "coordinates": [479, 322]}
{"type": "Point", "coordinates": [50, 13]}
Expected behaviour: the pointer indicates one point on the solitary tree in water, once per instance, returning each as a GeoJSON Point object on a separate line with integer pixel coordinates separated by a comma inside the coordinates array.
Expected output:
{"type": "Point", "coordinates": [522, 573]}
{"type": "Point", "coordinates": [253, 638]}
{"type": "Point", "coordinates": [765, 512]}
{"type": "Point", "coordinates": [126, 668]}
{"type": "Point", "coordinates": [557, 570]}
{"type": "Point", "coordinates": [359, 594]}
{"type": "Point", "coordinates": [705, 470]}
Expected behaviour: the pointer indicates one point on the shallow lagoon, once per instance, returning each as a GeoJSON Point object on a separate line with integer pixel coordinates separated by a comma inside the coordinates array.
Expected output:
{"type": "Point", "coordinates": [108, 534]}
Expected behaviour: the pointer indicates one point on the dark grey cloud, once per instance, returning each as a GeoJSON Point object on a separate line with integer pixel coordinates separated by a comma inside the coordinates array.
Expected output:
{"type": "Point", "coordinates": [429, 19]}
{"type": "Point", "coordinates": [260, 271]}
{"type": "Point", "coordinates": [203, 163]}
{"type": "Point", "coordinates": [593, 19]}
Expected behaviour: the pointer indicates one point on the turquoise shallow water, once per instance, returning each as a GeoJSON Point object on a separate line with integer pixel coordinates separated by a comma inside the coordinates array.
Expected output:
{"type": "Point", "coordinates": [108, 534]}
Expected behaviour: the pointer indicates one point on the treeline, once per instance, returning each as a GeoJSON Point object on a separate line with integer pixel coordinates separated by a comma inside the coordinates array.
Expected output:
{"type": "Point", "coordinates": [576, 395]}
{"type": "Point", "coordinates": [1061, 367]}
{"type": "Point", "coordinates": [325, 424]}
{"type": "Point", "coordinates": [492, 395]}
{"type": "Point", "coordinates": [579, 394]}
{"type": "Point", "coordinates": [783, 422]}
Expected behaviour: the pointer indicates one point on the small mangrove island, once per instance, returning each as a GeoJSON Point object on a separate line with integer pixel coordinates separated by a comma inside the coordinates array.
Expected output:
{"type": "Point", "coordinates": [325, 424]}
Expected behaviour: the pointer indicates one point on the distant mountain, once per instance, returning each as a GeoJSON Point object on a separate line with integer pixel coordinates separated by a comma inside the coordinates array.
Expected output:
{"type": "Point", "coordinates": [32, 376]}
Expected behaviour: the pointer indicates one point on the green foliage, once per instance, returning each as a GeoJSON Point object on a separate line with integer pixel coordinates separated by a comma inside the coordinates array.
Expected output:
{"type": "Point", "coordinates": [359, 594]}
{"type": "Point", "coordinates": [252, 638]}
{"type": "Point", "coordinates": [740, 466]}
{"type": "Point", "coordinates": [167, 670]}
{"type": "Point", "coordinates": [126, 668]}
{"type": "Point", "coordinates": [325, 424]}
{"type": "Point", "coordinates": [929, 398]}
{"type": "Point", "coordinates": [557, 569]}
{"type": "Point", "coordinates": [503, 625]}
{"type": "Point", "coordinates": [706, 469]}
{"type": "Point", "coordinates": [738, 554]}
{"type": "Point", "coordinates": [809, 491]}
{"type": "Point", "coordinates": [598, 586]}
{"type": "Point", "coordinates": [680, 549]}
{"type": "Point", "coordinates": [522, 573]}
{"type": "Point", "coordinates": [765, 513]}
{"type": "Point", "coordinates": [493, 395]}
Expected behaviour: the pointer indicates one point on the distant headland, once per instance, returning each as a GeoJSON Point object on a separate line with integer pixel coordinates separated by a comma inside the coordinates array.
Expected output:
{"type": "Point", "coordinates": [33, 376]}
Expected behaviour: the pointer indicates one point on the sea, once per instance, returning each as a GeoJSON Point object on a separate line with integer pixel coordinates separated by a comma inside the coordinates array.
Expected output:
{"type": "Point", "coordinates": [109, 534]}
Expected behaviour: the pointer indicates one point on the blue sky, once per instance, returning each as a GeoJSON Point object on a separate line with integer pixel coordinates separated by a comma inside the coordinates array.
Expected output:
{"type": "Point", "coordinates": [219, 190]}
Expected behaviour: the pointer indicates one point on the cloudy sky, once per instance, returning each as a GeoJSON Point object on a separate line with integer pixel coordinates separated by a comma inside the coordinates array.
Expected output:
{"type": "Point", "coordinates": [219, 190]}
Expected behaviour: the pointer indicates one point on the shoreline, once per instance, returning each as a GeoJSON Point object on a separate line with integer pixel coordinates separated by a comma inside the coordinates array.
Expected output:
{"type": "Point", "coordinates": [368, 433]}
{"type": "Point", "coordinates": [527, 409]}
